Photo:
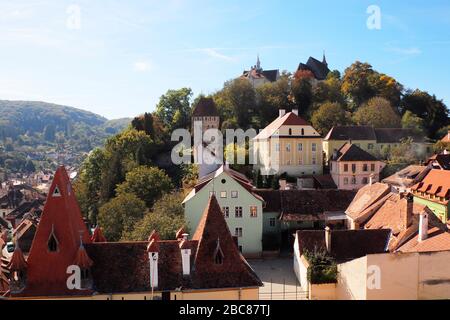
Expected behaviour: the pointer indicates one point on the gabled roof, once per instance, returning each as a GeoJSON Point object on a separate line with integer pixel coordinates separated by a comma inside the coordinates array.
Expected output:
{"type": "Point", "coordinates": [206, 107]}
{"type": "Point", "coordinates": [367, 197]}
{"type": "Point", "coordinates": [289, 119]}
{"type": "Point", "coordinates": [345, 244]}
{"type": "Point", "coordinates": [437, 240]}
{"type": "Point", "coordinates": [318, 68]}
{"type": "Point", "coordinates": [407, 176]}
{"type": "Point", "coordinates": [305, 204]}
{"type": "Point", "coordinates": [351, 152]}
{"type": "Point", "coordinates": [269, 75]}
{"type": "Point", "coordinates": [97, 235]}
{"type": "Point", "coordinates": [441, 160]}
{"type": "Point", "coordinates": [351, 133]}
{"type": "Point", "coordinates": [61, 218]}
{"type": "Point", "coordinates": [237, 176]}
{"type": "Point", "coordinates": [436, 183]}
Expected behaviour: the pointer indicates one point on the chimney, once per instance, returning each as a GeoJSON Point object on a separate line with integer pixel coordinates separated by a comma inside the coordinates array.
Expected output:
{"type": "Point", "coordinates": [282, 112]}
{"type": "Point", "coordinates": [283, 184]}
{"type": "Point", "coordinates": [295, 111]}
{"type": "Point", "coordinates": [409, 210]}
{"type": "Point", "coordinates": [371, 180]}
{"type": "Point", "coordinates": [153, 255]}
{"type": "Point", "coordinates": [185, 255]}
{"type": "Point", "coordinates": [423, 226]}
{"type": "Point", "coordinates": [328, 239]}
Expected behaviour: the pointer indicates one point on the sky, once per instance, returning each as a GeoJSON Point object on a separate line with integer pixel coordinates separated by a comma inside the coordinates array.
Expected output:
{"type": "Point", "coordinates": [116, 58]}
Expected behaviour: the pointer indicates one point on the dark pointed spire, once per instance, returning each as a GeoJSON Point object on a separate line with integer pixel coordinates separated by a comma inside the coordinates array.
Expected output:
{"type": "Point", "coordinates": [324, 61]}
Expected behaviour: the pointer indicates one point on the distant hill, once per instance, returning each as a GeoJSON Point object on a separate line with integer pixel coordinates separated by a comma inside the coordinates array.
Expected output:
{"type": "Point", "coordinates": [29, 129]}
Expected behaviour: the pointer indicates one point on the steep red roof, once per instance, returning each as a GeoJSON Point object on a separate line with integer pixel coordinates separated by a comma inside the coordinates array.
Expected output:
{"type": "Point", "coordinates": [97, 235]}
{"type": "Point", "coordinates": [61, 219]}
{"type": "Point", "coordinates": [446, 138]}
{"type": "Point", "coordinates": [17, 262]}
{"type": "Point", "coordinates": [438, 240]}
{"type": "Point", "coordinates": [436, 183]}
{"type": "Point", "coordinates": [82, 259]}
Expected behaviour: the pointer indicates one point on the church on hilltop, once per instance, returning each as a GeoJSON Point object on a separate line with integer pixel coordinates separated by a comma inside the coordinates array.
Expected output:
{"type": "Point", "coordinates": [258, 76]}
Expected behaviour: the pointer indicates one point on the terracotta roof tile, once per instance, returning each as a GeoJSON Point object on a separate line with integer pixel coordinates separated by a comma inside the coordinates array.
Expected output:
{"type": "Point", "coordinates": [366, 197]}
{"type": "Point", "coordinates": [436, 183]}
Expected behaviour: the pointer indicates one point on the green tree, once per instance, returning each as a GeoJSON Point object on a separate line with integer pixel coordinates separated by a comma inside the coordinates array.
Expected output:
{"type": "Point", "coordinates": [171, 103]}
{"type": "Point", "coordinates": [356, 85]}
{"type": "Point", "coordinates": [411, 121]}
{"type": "Point", "coordinates": [379, 113]}
{"type": "Point", "coordinates": [119, 215]}
{"type": "Point", "coordinates": [328, 115]}
{"type": "Point", "coordinates": [302, 92]}
{"type": "Point", "coordinates": [50, 133]}
{"type": "Point", "coordinates": [166, 216]}
{"type": "Point", "coordinates": [148, 183]}
{"type": "Point", "coordinates": [433, 111]}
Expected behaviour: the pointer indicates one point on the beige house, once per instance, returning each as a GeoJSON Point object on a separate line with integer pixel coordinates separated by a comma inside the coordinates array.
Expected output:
{"type": "Point", "coordinates": [352, 168]}
{"type": "Point", "coordinates": [288, 145]}
{"type": "Point", "coordinates": [376, 141]}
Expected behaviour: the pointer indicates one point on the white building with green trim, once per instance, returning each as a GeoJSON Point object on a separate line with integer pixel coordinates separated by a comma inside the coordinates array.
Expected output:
{"type": "Point", "coordinates": [242, 207]}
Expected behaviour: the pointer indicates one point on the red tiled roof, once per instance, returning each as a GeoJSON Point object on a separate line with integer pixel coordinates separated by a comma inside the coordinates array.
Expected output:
{"type": "Point", "coordinates": [351, 152]}
{"type": "Point", "coordinates": [47, 271]}
{"type": "Point", "coordinates": [438, 240]}
{"type": "Point", "coordinates": [206, 107]}
{"type": "Point", "coordinates": [289, 119]}
{"type": "Point", "coordinates": [436, 183]}
{"type": "Point", "coordinates": [17, 262]}
{"type": "Point", "coordinates": [365, 198]}
{"type": "Point", "coordinates": [82, 259]}
{"type": "Point", "coordinates": [97, 235]}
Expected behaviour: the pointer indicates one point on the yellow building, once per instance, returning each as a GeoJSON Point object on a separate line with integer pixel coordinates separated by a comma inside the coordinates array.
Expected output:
{"type": "Point", "coordinates": [288, 145]}
{"type": "Point", "coordinates": [376, 141]}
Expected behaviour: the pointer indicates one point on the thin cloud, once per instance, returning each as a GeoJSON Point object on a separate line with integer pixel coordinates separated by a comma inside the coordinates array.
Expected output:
{"type": "Point", "coordinates": [213, 53]}
{"type": "Point", "coordinates": [412, 51]}
{"type": "Point", "coordinates": [142, 66]}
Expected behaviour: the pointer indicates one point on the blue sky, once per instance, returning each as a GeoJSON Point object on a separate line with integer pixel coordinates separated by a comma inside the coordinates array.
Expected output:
{"type": "Point", "coordinates": [116, 58]}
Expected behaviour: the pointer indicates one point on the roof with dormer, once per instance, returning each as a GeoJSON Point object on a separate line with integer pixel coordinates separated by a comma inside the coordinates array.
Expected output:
{"type": "Point", "coordinates": [289, 119]}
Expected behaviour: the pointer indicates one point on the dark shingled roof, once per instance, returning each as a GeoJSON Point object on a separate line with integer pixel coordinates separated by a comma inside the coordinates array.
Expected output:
{"type": "Point", "coordinates": [351, 152]}
{"type": "Point", "coordinates": [395, 135]}
{"type": "Point", "coordinates": [443, 160]}
{"type": "Point", "coordinates": [305, 202]}
{"type": "Point", "coordinates": [206, 107]}
{"type": "Point", "coordinates": [345, 244]}
{"type": "Point", "coordinates": [318, 68]}
{"type": "Point", "coordinates": [351, 133]}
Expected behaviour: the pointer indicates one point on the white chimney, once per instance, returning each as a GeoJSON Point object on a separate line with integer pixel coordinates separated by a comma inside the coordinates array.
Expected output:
{"type": "Point", "coordinates": [295, 111]}
{"type": "Point", "coordinates": [328, 239]}
{"type": "Point", "coordinates": [185, 255]}
{"type": "Point", "coordinates": [371, 179]}
{"type": "Point", "coordinates": [282, 112]}
{"type": "Point", "coordinates": [423, 227]}
{"type": "Point", "coordinates": [153, 256]}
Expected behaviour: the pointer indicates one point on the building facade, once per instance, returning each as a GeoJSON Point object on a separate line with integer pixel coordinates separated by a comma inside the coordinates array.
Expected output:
{"type": "Point", "coordinates": [352, 168]}
{"type": "Point", "coordinates": [241, 206]}
{"type": "Point", "coordinates": [289, 145]}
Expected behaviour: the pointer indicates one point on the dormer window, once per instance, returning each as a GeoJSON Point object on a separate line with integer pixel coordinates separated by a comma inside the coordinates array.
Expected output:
{"type": "Point", "coordinates": [218, 254]}
{"type": "Point", "coordinates": [290, 132]}
{"type": "Point", "coordinates": [52, 243]}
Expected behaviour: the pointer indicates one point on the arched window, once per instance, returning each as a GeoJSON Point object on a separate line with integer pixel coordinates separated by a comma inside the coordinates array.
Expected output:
{"type": "Point", "coordinates": [52, 243]}
{"type": "Point", "coordinates": [303, 132]}
{"type": "Point", "coordinates": [218, 254]}
{"type": "Point", "coordinates": [290, 131]}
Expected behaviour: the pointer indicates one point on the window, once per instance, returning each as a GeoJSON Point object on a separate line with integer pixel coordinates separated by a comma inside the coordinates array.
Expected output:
{"type": "Point", "coordinates": [345, 167]}
{"type": "Point", "coordinates": [218, 254]}
{"type": "Point", "coordinates": [300, 147]}
{"type": "Point", "coordinates": [303, 132]}
{"type": "Point", "coordinates": [238, 212]}
{"type": "Point", "coordinates": [253, 211]}
{"type": "Point", "coordinates": [288, 147]}
{"type": "Point", "coordinates": [314, 160]}
{"type": "Point", "coordinates": [238, 232]}
{"type": "Point", "coordinates": [223, 194]}
{"type": "Point", "coordinates": [345, 181]}
{"type": "Point", "coordinates": [240, 249]}
{"type": "Point", "coordinates": [224, 181]}
{"type": "Point", "coordinates": [353, 180]}
{"type": "Point", "coordinates": [226, 212]}
{"type": "Point", "coordinates": [52, 243]}
{"type": "Point", "coordinates": [290, 132]}
{"type": "Point", "coordinates": [272, 222]}
{"type": "Point", "coordinates": [234, 194]}
{"type": "Point", "coordinates": [365, 167]}
{"type": "Point", "coordinates": [353, 167]}
{"type": "Point", "coordinates": [372, 167]}
{"type": "Point", "coordinates": [314, 147]}
{"type": "Point", "coordinates": [365, 181]}
{"type": "Point", "coordinates": [370, 146]}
